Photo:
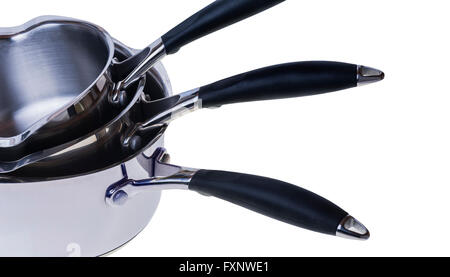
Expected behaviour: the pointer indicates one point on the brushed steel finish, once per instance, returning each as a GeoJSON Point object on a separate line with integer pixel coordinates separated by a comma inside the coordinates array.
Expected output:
{"type": "Point", "coordinates": [65, 131]}
{"type": "Point", "coordinates": [52, 69]}
{"type": "Point", "coordinates": [110, 139]}
{"type": "Point", "coordinates": [52, 208]}
{"type": "Point", "coordinates": [69, 217]}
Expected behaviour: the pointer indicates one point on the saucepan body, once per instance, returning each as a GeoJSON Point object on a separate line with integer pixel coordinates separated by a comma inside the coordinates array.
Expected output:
{"type": "Point", "coordinates": [57, 207]}
{"type": "Point", "coordinates": [54, 73]}
{"type": "Point", "coordinates": [96, 195]}
{"type": "Point", "coordinates": [99, 190]}
{"type": "Point", "coordinates": [57, 71]}
{"type": "Point", "coordinates": [69, 217]}
{"type": "Point", "coordinates": [34, 80]}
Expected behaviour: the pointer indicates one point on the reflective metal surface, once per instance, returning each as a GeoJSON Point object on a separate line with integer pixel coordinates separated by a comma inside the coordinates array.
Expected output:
{"type": "Point", "coordinates": [351, 228]}
{"type": "Point", "coordinates": [59, 87]}
{"type": "Point", "coordinates": [54, 63]}
{"type": "Point", "coordinates": [55, 208]}
{"type": "Point", "coordinates": [52, 69]}
{"type": "Point", "coordinates": [163, 175]}
{"type": "Point", "coordinates": [69, 217]}
{"type": "Point", "coordinates": [368, 75]}
{"type": "Point", "coordinates": [106, 147]}
{"type": "Point", "coordinates": [46, 142]}
{"type": "Point", "coordinates": [162, 111]}
{"type": "Point", "coordinates": [152, 54]}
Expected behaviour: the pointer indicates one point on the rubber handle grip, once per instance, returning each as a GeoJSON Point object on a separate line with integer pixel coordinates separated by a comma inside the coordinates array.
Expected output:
{"type": "Point", "coordinates": [280, 81]}
{"type": "Point", "coordinates": [273, 198]}
{"type": "Point", "coordinates": [217, 15]}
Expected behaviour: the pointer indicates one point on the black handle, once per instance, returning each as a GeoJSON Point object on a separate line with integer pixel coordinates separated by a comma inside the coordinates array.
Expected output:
{"type": "Point", "coordinates": [273, 198]}
{"type": "Point", "coordinates": [217, 15]}
{"type": "Point", "coordinates": [280, 81]}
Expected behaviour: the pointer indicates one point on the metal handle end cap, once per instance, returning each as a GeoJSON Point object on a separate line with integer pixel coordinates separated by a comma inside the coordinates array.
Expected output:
{"type": "Point", "coordinates": [351, 228]}
{"type": "Point", "coordinates": [367, 75]}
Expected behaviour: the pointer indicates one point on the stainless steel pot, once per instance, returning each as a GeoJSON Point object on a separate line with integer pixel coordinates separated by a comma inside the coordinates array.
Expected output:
{"type": "Point", "coordinates": [279, 81]}
{"type": "Point", "coordinates": [56, 71]}
{"type": "Point", "coordinates": [94, 198]}
{"type": "Point", "coordinates": [69, 54]}
{"type": "Point", "coordinates": [66, 133]}
{"type": "Point", "coordinates": [52, 73]}
{"type": "Point", "coordinates": [55, 216]}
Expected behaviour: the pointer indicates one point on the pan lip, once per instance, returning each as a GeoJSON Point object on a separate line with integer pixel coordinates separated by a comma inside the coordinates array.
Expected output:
{"type": "Point", "coordinates": [7, 180]}
{"type": "Point", "coordinates": [9, 32]}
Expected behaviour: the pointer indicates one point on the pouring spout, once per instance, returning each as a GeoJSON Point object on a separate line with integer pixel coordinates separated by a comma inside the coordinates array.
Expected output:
{"type": "Point", "coordinates": [367, 75]}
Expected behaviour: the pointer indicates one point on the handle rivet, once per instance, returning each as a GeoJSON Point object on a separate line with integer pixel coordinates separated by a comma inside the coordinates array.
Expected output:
{"type": "Point", "coordinates": [120, 197]}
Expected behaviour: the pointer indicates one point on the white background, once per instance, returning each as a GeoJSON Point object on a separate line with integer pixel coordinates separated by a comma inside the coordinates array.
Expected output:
{"type": "Point", "coordinates": [381, 152]}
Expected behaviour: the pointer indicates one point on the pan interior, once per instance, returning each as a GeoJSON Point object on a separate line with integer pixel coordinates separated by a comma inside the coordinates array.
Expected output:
{"type": "Point", "coordinates": [45, 68]}
{"type": "Point", "coordinates": [105, 152]}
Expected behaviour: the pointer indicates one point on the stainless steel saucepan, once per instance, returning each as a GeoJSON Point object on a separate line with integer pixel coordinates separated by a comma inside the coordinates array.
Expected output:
{"type": "Point", "coordinates": [275, 82]}
{"type": "Point", "coordinates": [63, 211]}
{"type": "Point", "coordinates": [92, 199]}
{"type": "Point", "coordinates": [40, 146]}
{"type": "Point", "coordinates": [52, 58]}
{"type": "Point", "coordinates": [55, 72]}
